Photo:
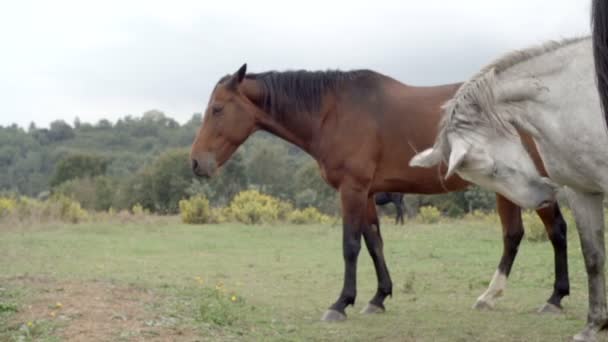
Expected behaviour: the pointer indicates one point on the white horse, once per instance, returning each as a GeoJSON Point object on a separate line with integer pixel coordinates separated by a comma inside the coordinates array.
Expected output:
{"type": "Point", "coordinates": [549, 92]}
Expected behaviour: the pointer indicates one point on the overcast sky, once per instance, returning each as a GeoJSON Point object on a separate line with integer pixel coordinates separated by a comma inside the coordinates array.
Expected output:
{"type": "Point", "coordinates": [67, 59]}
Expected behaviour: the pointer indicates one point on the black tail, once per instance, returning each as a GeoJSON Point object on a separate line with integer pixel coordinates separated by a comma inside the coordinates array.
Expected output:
{"type": "Point", "coordinates": [599, 22]}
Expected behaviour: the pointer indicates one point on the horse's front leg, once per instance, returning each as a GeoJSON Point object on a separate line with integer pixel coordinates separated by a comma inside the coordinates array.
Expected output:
{"type": "Point", "coordinates": [589, 217]}
{"type": "Point", "coordinates": [512, 233]}
{"type": "Point", "coordinates": [354, 207]}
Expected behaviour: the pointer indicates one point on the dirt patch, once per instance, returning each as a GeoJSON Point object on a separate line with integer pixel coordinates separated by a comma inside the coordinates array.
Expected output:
{"type": "Point", "coordinates": [97, 311]}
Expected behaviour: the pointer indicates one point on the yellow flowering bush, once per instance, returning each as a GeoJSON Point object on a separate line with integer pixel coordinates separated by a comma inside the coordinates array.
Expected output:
{"type": "Point", "coordinates": [66, 209]}
{"type": "Point", "coordinates": [138, 210]}
{"type": "Point", "coordinates": [285, 208]}
{"type": "Point", "coordinates": [480, 215]}
{"type": "Point", "coordinates": [195, 210]}
{"type": "Point", "coordinates": [309, 215]}
{"type": "Point", "coordinates": [253, 207]}
{"type": "Point", "coordinates": [7, 206]}
{"type": "Point", "coordinates": [429, 214]}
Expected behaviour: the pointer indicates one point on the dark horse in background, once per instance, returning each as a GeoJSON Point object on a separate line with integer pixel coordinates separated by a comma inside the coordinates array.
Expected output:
{"type": "Point", "coordinates": [362, 128]}
{"type": "Point", "coordinates": [384, 198]}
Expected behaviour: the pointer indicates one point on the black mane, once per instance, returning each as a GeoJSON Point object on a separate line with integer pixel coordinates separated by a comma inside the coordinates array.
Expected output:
{"type": "Point", "coordinates": [301, 91]}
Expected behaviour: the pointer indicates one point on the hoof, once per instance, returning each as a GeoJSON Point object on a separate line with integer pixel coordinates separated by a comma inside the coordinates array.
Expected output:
{"type": "Point", "coordinates": [372, 309]}
{"type": "Point", "coordinates": [549, 308]}
{"type": "Point", "coordinates": [333, 316]}
{"type": "Point", "coordinates": [483, 305]}
{"type": "Point", "coordinates": [585, 336]}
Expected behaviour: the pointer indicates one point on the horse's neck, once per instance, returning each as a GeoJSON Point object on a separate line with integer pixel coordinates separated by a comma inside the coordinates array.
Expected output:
{"type": "Point", "coordinates": [567, 124]}
{"type": "Point", "coordinates": [296, 129]}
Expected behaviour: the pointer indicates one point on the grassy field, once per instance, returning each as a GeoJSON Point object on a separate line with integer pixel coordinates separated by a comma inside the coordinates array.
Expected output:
{"type": "Point", "coordinates": [162, 280]}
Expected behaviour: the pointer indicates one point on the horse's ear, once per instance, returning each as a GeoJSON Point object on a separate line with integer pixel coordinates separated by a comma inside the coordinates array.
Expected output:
{"type": "Point", "coordinates": [240, 74]}
{"type": "Point", "coordinates": [459, 151]}
{"type": "Point", "coordinates": [427, 158]}
{"type": "Point", "coordinates": [238, 77]}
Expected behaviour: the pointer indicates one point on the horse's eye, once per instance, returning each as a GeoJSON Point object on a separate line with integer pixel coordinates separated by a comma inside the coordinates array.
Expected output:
{"type": "Point", "coordinates": [216, 110]}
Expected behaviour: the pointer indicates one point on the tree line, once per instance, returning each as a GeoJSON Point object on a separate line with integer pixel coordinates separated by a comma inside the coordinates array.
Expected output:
{"type": "Point", "coordinates": [144, 160]}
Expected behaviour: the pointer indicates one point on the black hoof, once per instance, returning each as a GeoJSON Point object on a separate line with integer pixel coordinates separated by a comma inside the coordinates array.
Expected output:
{"type": "Point", "coordinates": [333, 316]}
{"type": "Point", "coordinates": [549, 308]}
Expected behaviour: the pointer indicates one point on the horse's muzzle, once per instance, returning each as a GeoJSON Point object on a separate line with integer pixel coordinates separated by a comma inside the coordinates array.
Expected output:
{"type": "Point", "coordinates": [204, 166]}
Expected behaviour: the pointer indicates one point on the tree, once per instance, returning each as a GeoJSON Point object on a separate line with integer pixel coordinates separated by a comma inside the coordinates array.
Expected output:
{"type": "Point", "coordinates": [160, 186]}
{"type": "Point", "coordinates": [78, 166]}
{"type": "Point", "coordinates": [60, 131]}
{"type": "Point", "coordinates": [271, 169]}
{"type": "Point", "coordinates": [479, 199]}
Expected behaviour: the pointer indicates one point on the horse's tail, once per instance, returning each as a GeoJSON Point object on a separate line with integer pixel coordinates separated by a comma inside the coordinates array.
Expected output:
{"type": "Point", "coordinates": [599, 20]}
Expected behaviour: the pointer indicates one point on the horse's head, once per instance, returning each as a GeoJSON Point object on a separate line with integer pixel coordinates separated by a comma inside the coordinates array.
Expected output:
{"type": "Point", "coordinates": [485, 149]}
{"type": "Point", "coordinates": [228, 121]}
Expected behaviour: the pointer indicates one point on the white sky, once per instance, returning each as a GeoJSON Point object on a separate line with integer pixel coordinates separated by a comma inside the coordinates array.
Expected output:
{"type": "Point", "coordinates": [63, 59]}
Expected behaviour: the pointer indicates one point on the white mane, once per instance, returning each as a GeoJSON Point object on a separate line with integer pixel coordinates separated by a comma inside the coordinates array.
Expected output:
{"type": "Point", "coordinates": [482, 92]}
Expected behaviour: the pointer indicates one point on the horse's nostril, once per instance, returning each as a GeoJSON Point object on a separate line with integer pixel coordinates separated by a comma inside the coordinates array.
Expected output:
{"type": "Point", "coordinates": [194, 165]}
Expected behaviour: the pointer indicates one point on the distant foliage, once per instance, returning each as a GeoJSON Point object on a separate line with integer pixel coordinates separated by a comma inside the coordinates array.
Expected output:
{"type": "Point", "coordinates": [429, 215]}
{"type": "Point", "coordinates": [97, 193]}
{"type": "Point", "coordinates": [78, 166]}
{"type": "Point", "coordinates": [195, 210]}
{"type": "Point", "coordinates": [253, 207]}
{"type": "Point", "coordinates": [160, 186]}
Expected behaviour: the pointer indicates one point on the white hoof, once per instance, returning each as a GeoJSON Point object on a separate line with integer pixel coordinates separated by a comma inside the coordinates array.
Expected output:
{"type": "Point", "coordinates": [587, 335]}
{"type": "Point", "coordinates": [483, 305]}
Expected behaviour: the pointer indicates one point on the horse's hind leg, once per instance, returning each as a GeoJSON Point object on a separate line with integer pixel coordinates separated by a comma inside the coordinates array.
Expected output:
{"type": "Point", "coordinates": [400, 210]}
{"type": "Point", "coordinates": [556, 230]}
{"type": "Point", "coordinates": [589, 216]}
{"type": "Point", "coordinates": [373, 241]}
{"type": "Point", "coordinates": [512, 233]}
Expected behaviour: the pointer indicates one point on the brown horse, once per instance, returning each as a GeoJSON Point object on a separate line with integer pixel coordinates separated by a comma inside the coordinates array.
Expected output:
{"type": "Point", "coordinates": [362, 128]}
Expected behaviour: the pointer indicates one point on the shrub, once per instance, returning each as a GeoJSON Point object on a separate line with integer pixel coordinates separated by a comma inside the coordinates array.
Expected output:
{"type": "Point", "coordinates": [220, 215]}
{"type": "Point", "coordinates": [253, 207]}
{"type": "Point", "coordinates": [32, 209]}
{"type": "Point", "coordinates": [309, 215]}
{"type": "Point", "coordinates": [195, 210]}
{"type": "Point", "coordinates": [220, 308]}
{"type": "Point", "coordinates": [285, 209]}
{"type": "Point", "coordinates": [429, 214]}
{"type": "Point", "coordinates": [139, 210]}
{"type": "Point", "coordinates": [534, 227]}
{"type": "Point", "coordinates": [66, 209]}
{"type": "Point", "coordinates": [92, 193]}
{"type": "Point", "coordinates": [7, 206]}
{"type": "Point", "coordinates": [483, 216]}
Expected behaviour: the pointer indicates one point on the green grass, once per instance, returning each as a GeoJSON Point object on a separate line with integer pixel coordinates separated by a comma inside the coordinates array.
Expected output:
{"type": "Point", "coordinates": [284, 277]}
